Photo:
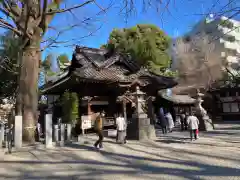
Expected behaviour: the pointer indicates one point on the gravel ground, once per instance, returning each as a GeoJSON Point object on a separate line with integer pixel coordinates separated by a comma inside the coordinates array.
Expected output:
{"type": "Point", "coordinates": [216, 155]}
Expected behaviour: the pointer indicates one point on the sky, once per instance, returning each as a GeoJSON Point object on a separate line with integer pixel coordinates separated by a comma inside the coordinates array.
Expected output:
{"type": "Point", "coordinates": [176, 20]}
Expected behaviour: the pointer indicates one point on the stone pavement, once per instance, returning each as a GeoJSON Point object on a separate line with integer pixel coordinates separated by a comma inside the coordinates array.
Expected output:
{"type": "Point", "coordinates": [216, 155]}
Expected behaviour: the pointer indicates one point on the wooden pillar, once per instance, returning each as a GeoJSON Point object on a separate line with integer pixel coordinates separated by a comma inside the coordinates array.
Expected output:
{"type": "Point", "coordinates": [124, 110]}
{"type": "Point", "coordinates": [112, 105]}
{"type": "Point", "coordinates": [89, 110]}
{"type": "Point", "coordinates": [150, 110]}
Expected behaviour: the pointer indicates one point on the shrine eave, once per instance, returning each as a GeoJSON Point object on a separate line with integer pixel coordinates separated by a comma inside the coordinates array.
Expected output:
{"type": "Point", "coordinates": [178, 99]}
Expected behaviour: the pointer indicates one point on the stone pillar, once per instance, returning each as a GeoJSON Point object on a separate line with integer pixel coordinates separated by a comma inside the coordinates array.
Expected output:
{"type": "Point", "coordinates": [69, 132]}
{"type": "Point", "coordinates": [205, 122]}
{"type": "Point", "coordinates": [89, 110]}
{"type": "Point", "coordinates": [56, 135]}
{"type": "Point", "coordinates": [18, 132]}
{"type": "Point", "coordinates": [151, 111]}
{"type": "Point", "coordinates": [62, 131]}
{"type": "Point", "coordinates": [1, 135]}
{"type": "Point", "coordinates": [140, 127]}
{"type": "Point", "coordinates": [48, 131]}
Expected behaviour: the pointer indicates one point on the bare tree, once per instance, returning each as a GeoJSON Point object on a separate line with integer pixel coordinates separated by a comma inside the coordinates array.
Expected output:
{"type": "Point", "coordinates": [30, 20]}
{"type": "Point", "coordinates": [199, 65]}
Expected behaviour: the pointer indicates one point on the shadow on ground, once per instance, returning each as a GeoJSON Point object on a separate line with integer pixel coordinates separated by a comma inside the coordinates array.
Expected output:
{"type": "Point", "coordinates": [117, 164]}
{"type": "Point", "coordinates": [166, 158]}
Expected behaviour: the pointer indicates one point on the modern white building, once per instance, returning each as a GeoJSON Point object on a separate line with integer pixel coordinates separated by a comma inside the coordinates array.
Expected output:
{"type": "Point", "coordinates": [225, 34]}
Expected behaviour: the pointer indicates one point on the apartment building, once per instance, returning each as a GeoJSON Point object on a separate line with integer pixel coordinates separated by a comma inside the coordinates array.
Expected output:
{"type": "Point", "coordinates": [224, 33]}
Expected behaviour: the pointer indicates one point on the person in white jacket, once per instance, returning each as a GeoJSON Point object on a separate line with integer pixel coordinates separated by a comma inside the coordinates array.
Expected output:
{"type": "Point", "coordinates": [121, 129]}
{"type": "Point", "coordinates": [170, 123]}
{"type": "Point", "coordinates": [193, 124]}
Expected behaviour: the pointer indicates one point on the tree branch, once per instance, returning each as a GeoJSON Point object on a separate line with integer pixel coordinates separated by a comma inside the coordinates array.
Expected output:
{"type": "Point", "coordinates": [8, 26]}
{"type": "Point", "coordinates": [12, 8]}
{"type": "Point", "coordinates": [52, 12]}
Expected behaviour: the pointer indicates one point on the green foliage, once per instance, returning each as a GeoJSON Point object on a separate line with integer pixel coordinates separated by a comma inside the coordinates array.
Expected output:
{"type": "Point", "coordinates": [231, 38]}
{"type": "Point", "coordinates": [9, 52]}
{"type": "Point", "coordinates": [226, 23]}
{"type": "Point", "coordinates": [147, 44]}
{"type": "Point", "coordinates": [63, 58]}
{"type": "Point", "coordinates": [70, 105]}
{"type": "Point", "coordinates": [47, 63]}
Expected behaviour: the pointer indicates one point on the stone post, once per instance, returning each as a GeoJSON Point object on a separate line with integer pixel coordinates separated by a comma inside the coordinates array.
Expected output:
{"type": "Point", "coordinates": [18, 132]}
{"type": "Point", "coordinates": [48, 131]}
{"type": "Point", "coordinates": [1, 135]}
{"type": "Point", "coordinates": [62, 131]}
{"type": "Point", "coordinates": [56, 135]}
{"type": "Point", "coordinates": [69, 132]}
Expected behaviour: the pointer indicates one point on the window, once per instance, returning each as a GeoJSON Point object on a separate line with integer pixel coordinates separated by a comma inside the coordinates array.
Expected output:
{"type": "Point", "coordinates": [234, 107]}
{"type": "Point", "coordinates": [226, 107]}
{"type": "Point", "coordinates": [230, 107]}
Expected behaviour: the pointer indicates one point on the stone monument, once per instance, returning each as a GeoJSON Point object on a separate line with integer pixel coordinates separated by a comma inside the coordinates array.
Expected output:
{"type": "Point", "coordinates": [205, 122]}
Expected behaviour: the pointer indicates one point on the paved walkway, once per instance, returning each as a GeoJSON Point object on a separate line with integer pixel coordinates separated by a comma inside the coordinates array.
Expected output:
{"type": "Point", "coordinates": [216, 155]}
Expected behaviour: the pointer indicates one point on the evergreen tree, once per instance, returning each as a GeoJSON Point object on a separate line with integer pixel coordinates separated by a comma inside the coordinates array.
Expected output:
{"type": "Point", "coordinates": [145, 43]}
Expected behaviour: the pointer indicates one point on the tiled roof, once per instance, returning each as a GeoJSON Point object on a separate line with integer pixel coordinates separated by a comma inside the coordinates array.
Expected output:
{"type": "Point", "coordinates": [114, 74]}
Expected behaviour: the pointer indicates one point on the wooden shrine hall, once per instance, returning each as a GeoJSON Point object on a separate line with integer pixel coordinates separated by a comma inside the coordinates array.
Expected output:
{"type": "Point", "coordinates": [112, 80]}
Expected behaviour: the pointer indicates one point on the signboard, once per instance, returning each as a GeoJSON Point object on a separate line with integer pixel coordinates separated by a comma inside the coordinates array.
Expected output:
{"type": "Point", "coordinates": [86, 122]}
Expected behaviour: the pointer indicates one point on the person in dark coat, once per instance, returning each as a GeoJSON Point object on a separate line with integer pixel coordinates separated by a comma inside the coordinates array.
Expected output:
{"type": "Point", "coordinates": [163, 121]}
{"type": "Point", "coordinates": [182, 119]}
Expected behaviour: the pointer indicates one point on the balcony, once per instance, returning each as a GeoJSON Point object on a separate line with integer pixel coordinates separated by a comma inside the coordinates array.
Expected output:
{"type": "Point", "coordinates": [232, 59]}
{"type": "Point", "coordinates": [230, 45]}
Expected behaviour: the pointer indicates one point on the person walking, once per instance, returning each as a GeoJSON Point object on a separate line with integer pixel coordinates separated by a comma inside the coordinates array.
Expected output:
{"type": "Point", "coordinates": [121, 129]}
{"type": "Point", "coordinates": [193, 124]}
{"type": "Point", "coordinates": [98, 126]}
{"type": "Point", "coordinates": [182, 119]}
{"type": "Point", "coordinates": [170, 122]}
{"type": "Point", "coordinates": [163, 121]}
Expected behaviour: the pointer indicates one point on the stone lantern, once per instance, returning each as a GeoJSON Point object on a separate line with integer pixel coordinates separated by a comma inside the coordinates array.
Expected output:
{"type": "Point", "coordinates": [139, 127]}
{"type": "Point", "coordinates": [140, 103]}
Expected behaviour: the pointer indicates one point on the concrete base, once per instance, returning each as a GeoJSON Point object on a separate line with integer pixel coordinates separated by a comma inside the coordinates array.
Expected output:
{"type": "Point", "coordinates": [206, 124]}
{"type": "Point", "coordinates": [61, 143]}
{"type": "Point", "coordinates": [140, 129]}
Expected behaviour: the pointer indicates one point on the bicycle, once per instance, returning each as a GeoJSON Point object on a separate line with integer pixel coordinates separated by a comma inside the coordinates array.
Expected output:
{"type": "Point", "coordinates": [9, 136]}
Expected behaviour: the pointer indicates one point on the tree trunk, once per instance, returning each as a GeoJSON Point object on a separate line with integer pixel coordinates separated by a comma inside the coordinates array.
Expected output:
{"type": "Point", "coordinates": [28, 90]}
